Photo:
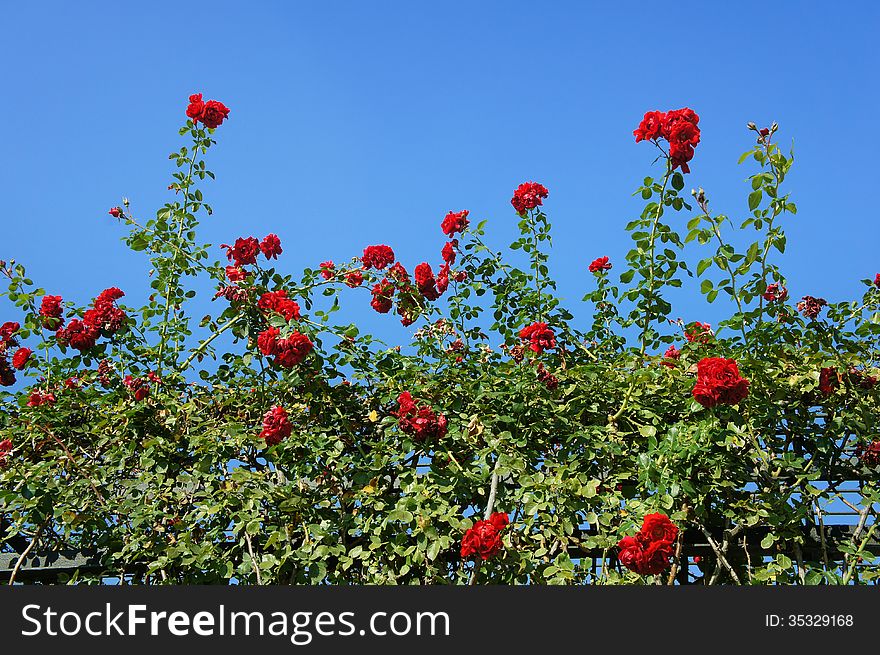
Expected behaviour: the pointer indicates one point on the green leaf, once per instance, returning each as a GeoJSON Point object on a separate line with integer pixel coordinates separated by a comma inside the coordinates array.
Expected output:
{"type": "Point", "coordinates": [755, 199]}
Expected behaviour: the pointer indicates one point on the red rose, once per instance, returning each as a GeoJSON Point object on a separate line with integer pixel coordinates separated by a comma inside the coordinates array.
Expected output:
{"type": "Point", "coordinates": [196, 107]}
{"type": "Point", "coordinates": [5, 449]}
{"type": "Point", "coordinates": [600, 264]}
{"type": "Point", "coordinates": [267, 341]}
{"type": "Point", "coordinates": [105, 315]}
{"type": "Point", "coordinates": [877, 280]}
{"type": "Point", "coordinates": [110, 295]}
{"type": "Point", "coordinates": [443, 278]}
{"type": "Point", "coordinates": [291, 351]}
{"type": "Point", "coordinates": [7, 331]}
{"type": "Point", "coordinates": [214, 113]}
{"type": "Point", "coordinates": [235, 274]}
{"type": "Point", "coordinates": [484, 538]}
{"type": "Point", "coordinates": [655, 557]}
{"type": "Point", "coordinates": [869, 455]}
{"type": "Point", "coordinates": [674, 118]}
{"type": "Point", "coordinates": [377, 257]}
{"type": "Point", "coordinates": [719, 382]}
{"type": "Point", "coordinates": [78, 334]}
{"type": "Point", "coordinates": [649, 552]}
{"type": "Point", "coordinates": [775, 293]}
{"type": "Point", "coordinates": [419, 421]}
{"type": "Point", "coordinates": [829, 380]}
{"type": "Point", "coordinates": [38, 398]}
{"type": "Point", "coordinates": [500, 520]}
{"type": "Point", "coordinates": [448, 252]}
{"type": "Point", "coordinates": [243, 252]}
{"type": "Point", "coordinates": [425, 281]}
{"type": "Point", "coordinates": [271, 246]}
{"type": "Point", "coordinates": [21, 357]}
{"type": "Point", "coordinates": [278, 302]}
{"type": "Point", "coordinates": [657, 527]}
{"type": "Point", "coordinates": [327, 269]}
{"type": "Point", "coordinates": [276, 426]}
{"type": "Point", "coordinates": [528, 195]}
{"type": "Point", "coordinates": [630, 553]}
{"type": "Point", "coordinates": [115, 212]}
{"type": "Point", "coordinates": [540, 337]}
{"type": "Point", "coordinates": [51, 311]}
{"type": "Point", "coordinates": [455, 222]}
{"type": "Point", "coordinates": [810, 307]}
{"type": "Point", "coordinates": [650, 127]}
{"type": "Point", "coordinates": [139, 387]}
{"type": "Point", "coordinates": [679, 127]}
{"type": "Point", "coordinates": [383, 292]}
{"type": "Point", "coordinates": [354, 279]}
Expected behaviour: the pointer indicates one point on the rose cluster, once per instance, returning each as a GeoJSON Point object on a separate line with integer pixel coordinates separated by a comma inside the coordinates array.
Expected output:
{"type": "Point", "coordinates": [678, 127]}
{"type": "Point", "coordinates": [719, 382]}
{"type": "Point", "coordinates": [245, 251]}
{"type": "Point", "coordinates": [483, 540]}
{"type": "Point", "coordinates": [810, 306]}
{"type": "Point", "coordinates": [104, 317]}
{"type": "Point", "coordinates": [650, 551]}
{"type": "Point", "coordinates": [527, 196]}
{"type": "Point", "coordinates": [775, 293]}
{"type": "Point", "coordinates": [286, 352]}
{"type": "Point", "coordinates": [869, 455]}
{"type": "Point", "coordinates": [419, 421]}
{"type": "Point", "coordinates": [211, 113]}
{"type": "Point", "coordinates": [278, 303]}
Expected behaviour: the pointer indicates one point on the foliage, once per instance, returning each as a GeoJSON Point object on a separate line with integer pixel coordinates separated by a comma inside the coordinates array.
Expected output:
{"type": "Point", "coordinates": [577, 443]}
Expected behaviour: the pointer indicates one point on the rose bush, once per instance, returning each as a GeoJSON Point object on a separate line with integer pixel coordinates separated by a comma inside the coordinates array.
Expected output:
{"type": "Point", "coordinates": [507, 443]}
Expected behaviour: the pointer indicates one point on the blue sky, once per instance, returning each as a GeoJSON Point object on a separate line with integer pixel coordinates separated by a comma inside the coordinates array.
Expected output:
{"type": "Point", "coordinates": [360, 123]}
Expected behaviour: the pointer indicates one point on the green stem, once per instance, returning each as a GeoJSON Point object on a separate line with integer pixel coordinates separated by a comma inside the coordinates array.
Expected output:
{"type": "Point", "coordinates": [649, 298]}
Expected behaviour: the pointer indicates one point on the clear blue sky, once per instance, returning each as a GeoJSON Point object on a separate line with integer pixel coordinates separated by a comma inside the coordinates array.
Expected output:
{"type": "Point", "coordinates": [360, 123]}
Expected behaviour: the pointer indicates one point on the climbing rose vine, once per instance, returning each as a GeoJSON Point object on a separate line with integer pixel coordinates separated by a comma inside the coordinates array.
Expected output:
{"type": "Point", "coordinates": [230, 422]}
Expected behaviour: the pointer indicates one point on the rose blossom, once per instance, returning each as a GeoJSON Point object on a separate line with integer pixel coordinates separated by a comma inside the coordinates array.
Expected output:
{"type": "Point", "coordinates": [276, 426]}
{"type": "Point", "coordinates": [383, 292]}
{"type": "Point", "coordinates": [600, 264]}
{"type": "Point", "coordinates": [540, 337]}
{"type": "Point", "coordinates": [51, 312]}
{"type": "Point", "coordinates": [455, 222]}
{"type": "Point", "coordinates": [21, 357]}
{"type": "Point", "coordinates": [425, 282]}
{"type": "Point", "coordinates": [775, 292]}
{"type": "Point", "coordinates": [327, 269]}
{"type": "Point", "coordinates": [378, 257]}
{"type": "Point", "coordinates": [719, 382]}
{"type": "Point", "coordinates": [244, 252]}
{"type": "Point", "coordinates": [528, 195]}
{"type": "Point", "coordinates": [419, 421]}
{"type": "Point", "coordinates": [484, 538]}
{"type": "Point", "coordinates": [271, 246]}
{"type": "Point", "coordinates": [810, 306]}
